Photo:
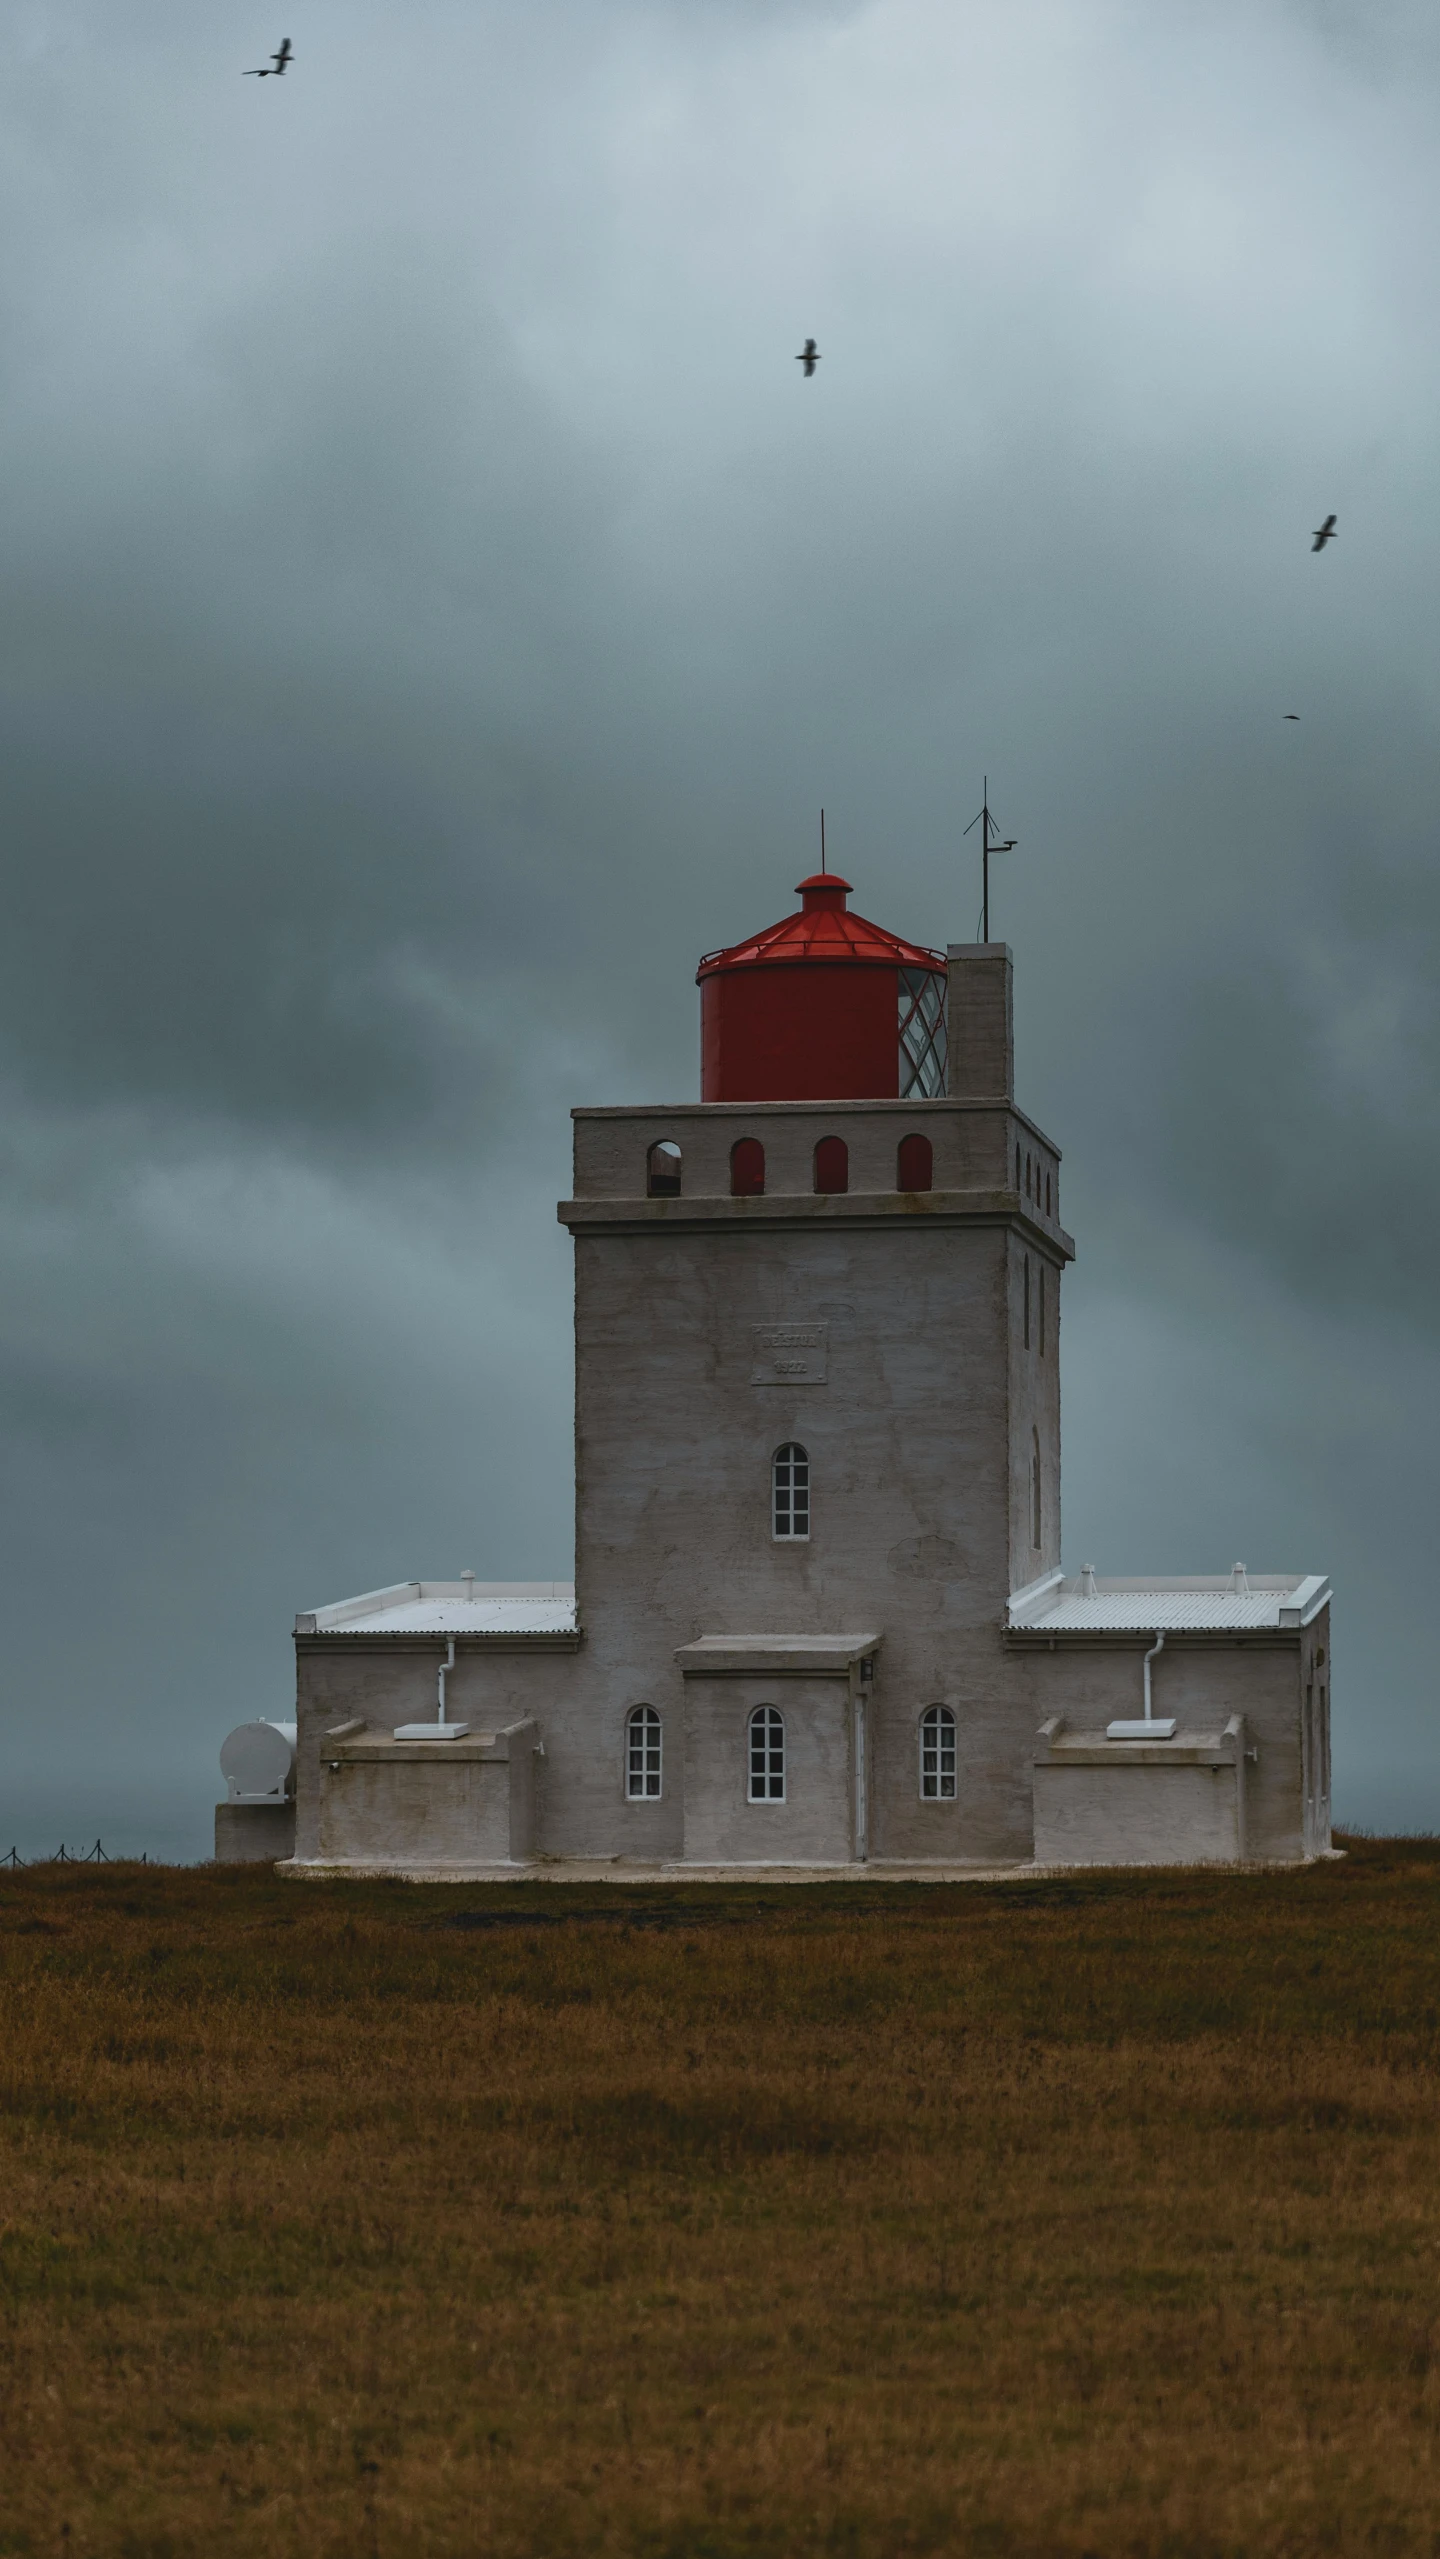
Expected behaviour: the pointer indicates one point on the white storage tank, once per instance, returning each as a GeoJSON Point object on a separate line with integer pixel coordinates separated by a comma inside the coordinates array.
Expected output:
{"type": "Point", "coordinates": [257, 1762]}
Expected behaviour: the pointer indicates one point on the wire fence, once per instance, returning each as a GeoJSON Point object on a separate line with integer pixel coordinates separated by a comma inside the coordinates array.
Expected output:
{"type": "Point", "coordinates": [96, 1856]}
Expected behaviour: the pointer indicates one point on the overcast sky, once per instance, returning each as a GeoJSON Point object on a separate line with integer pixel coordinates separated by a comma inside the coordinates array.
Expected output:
{"type": "Point", "coordinates": [433, 608]}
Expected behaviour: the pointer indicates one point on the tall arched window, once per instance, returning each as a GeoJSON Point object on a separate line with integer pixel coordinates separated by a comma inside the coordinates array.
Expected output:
{"type": "Point", "coordinates": [915, 1165]}
{"type": "Point", "coordinates": [642, 1753]}
{"type": "Point", "coordinates": [767, 1756]}
{"type": "Point", "coordinates": [937, 1754]}
{"type": "Point", "coordinates": [1036, 1522]}
{"type": "Point", "coordinates": [747, 1169]}
{"type": "Point", "coordinates": [832, 1165]}
{"type": "Point", "coordinates": [790, 1491]}
{"type": "Point", "coordinates": [662, 1170]}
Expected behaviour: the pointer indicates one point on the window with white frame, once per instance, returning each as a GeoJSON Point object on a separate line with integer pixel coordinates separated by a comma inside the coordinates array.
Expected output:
{"type": "Point", "coordinates": [937, 1755]}
{"type": "Point", "coordinates": [767, 1756]}
{"type": "Point", "coordinates": [642, 1753]}
{"type": "Point", "coordinates": [790, 1491]}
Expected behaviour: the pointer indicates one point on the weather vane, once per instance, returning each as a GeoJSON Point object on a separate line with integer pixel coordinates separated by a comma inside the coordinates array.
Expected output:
{"type": "Point", "coordinates": [991, 844]}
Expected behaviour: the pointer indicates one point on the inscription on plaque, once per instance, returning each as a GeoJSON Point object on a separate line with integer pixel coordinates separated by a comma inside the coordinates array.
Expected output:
{"type": "Point", "coordinates": [790, 1355]}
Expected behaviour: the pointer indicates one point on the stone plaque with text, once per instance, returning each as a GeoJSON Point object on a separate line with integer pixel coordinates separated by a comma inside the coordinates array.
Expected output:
{"type": "Point", "coordinates": [789, 1355]}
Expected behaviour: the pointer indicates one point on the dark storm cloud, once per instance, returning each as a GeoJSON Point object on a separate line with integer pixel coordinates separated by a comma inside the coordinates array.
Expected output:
{"type": "Point", "coordinates": [432, 610]}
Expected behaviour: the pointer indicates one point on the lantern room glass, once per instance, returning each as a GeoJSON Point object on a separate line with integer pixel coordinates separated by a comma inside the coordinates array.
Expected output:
{"type": "Point", "coordinates": [922, 1035]}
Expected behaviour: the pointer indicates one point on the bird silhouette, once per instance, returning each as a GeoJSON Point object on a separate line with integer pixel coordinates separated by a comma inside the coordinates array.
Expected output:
{"type": "Point", "coordinates": [1289, 715]}
{"type": "Point", "coordinates": [809, 357]}
{"type": "Point", "coordinates": [1324, 533]}
{"type": "Point", "coordinates": [276, 67]}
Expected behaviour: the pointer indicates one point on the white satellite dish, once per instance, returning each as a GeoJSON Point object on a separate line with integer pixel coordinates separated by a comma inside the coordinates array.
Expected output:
{"type": "Point", "coordinates": [257, 1762]}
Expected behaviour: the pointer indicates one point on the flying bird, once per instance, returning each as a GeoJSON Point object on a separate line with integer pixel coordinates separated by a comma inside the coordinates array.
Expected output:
{"type": "Point", "coordinates": [1289, 715]}
{"type": "Point", "coordinates": [1324, 533]}
{"type": "Point", "coordinates": [809, 357]}
{"type": "Point", "coordinates": [276, 67]}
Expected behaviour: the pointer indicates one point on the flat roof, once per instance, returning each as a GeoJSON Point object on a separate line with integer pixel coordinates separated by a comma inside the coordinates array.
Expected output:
{"type": "Point", "coordinates": [466, 1607]}
{"type": "Point", "coordinates": [1239, 1602]}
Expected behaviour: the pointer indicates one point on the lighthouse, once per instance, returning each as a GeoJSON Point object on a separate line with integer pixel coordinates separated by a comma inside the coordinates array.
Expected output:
{"type": "Point", "coordinates": [819, 1619]}
{"type": "Point", "coordinates": [817, 1324]}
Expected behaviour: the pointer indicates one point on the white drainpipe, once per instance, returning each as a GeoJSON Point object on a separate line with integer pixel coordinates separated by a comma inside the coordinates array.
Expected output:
{"type": "Point", "coordinates": [449, 1664]}
{"type": "Point", "coordinates": [1157, 1647]}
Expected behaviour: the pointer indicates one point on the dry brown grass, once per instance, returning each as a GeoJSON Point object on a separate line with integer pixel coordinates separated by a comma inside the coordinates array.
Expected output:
{"type": "Point", "coordinates": [1094, 2216]}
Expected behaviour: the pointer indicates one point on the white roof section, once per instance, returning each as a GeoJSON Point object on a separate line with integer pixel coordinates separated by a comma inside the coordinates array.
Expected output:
{"type": "Point", "coordinates": [466, 1607]}
{"type": "Point", "coordinates": [1090, 1603]}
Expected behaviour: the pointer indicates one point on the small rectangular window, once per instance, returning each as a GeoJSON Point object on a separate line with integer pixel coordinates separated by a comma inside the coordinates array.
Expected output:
{"type": "Point", "coordinates": [1042, 1309]}
{"type": "Point", "coordinates": [1027, 1301]}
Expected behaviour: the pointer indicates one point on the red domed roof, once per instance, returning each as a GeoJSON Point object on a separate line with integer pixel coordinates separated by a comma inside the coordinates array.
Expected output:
{"type": "Point", "coordinates": [824, 930]}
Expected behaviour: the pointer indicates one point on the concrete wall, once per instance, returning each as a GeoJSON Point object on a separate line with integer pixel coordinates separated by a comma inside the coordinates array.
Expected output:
{"type": "Point", "coordinates": [253, 1834]}
{"type": "Point", "coordinates": [980, 1019]}
{"type": "Point", "coordinates": [908, 1448]}
{"type": "Point", "coordinates": [1175, 1803]}
{"type": "Point", "coordinates": [389, 1681]}
{"type": "Point", "coordinates": [1314, 1688]}
{"type": "Point", "coordinates": [815, 1823]}
{"type": "Point", "coordinates": [432, 1803]}
{"type": "Point", "coordinates": [1201, 1681]}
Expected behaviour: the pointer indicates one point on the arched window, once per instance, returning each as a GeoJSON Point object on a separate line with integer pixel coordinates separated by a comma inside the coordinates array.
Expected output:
{"type": "Point", "coordinates": [1035, 1519]}
{"type": "Point", "coordinates": [662, 1170]}
{"type": "Point", "coordinates": [915, 1165]}
{"type": "Point", "coordinates": [767, 1756]}
{"type": "Point", "coordinates": [1017, 1168]}
{"type": "Point", "coordinates": [1047, 1195]}
{"type": "Point", "coordinates": [937, 1754]}
{"type": "Point", "coordinates": [642, 1753]}
{"type": "Point", "coordinates": [747, 1169]}
{"type": "Point", "coordinates": [1028, 1170]}
{"type": "Point", "coordinates": [832, 1165]}
{"type": "Point", "coordinates": [790, 1491]}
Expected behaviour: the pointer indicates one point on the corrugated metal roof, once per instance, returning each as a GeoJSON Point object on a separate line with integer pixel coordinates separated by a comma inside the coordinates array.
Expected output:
{"type": "Point", "coordinates": [1091, 1604]}
{"type": "Point", "coordinates": [466, 1607]}
{"type": "Point", "coordinates": [1167, 1609]}
{"type": "Point", "coordinates": [461, 1617]}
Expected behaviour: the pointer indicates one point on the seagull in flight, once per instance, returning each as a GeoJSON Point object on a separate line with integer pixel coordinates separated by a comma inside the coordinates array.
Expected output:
{"type": "Point", "coordinates": [809, 356]}
{"type": "Point", "coordinates": [278, 63]}
{"type": "Point", "coordinates": [1324, 533]}
{"type": "Point", "coordinates": [1289, 715]}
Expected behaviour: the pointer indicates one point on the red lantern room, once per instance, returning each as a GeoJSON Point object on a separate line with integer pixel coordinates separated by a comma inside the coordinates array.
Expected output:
{"type": "Point", "coordinates": [822, 1007]}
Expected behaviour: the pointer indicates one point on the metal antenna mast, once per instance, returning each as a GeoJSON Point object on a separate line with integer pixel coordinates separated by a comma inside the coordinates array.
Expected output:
{"type": "Point", "coordinates": [822, 839]}
{"type": "Point", "coordinates": [989, 844]}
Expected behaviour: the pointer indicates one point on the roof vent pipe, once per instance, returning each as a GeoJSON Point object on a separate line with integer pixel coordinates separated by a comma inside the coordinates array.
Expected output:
{"type": "Point", "coordinates": [467, 1587]}
{"type": "Point", "coordinates": [1239, 1582]}
{"type": "Point", "coordinates": [1087, 1581]}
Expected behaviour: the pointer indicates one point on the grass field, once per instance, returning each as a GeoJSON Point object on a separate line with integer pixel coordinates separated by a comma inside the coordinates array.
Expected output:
{"type": "Point", "coordinates": [1096, 2215]}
